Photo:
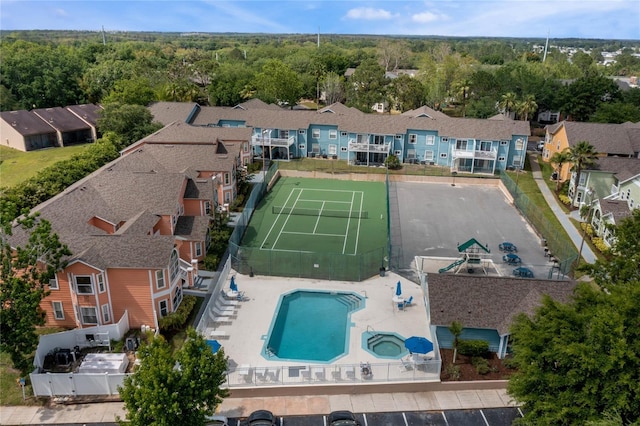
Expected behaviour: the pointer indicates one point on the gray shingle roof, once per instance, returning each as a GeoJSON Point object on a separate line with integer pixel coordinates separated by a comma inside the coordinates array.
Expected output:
{"type": "Point", "coordinates": [619, 209]}
{"type": "Point", "coordinates": [27, 123]}
{"type": "Point", "coordinates": [612, 139]}
{"type": "Point", "coordinates": [61, 119]}
{"type": "Point", "coordinates": [89, 113]}
{"type": "Point", "coordinates": [623, 167]}
{"type": "Point", "coordinates": [192, 226]}
{"type": "Point", "coordinates": [489, 302]}
{"type": "Point", "coordinates": [168, 112]}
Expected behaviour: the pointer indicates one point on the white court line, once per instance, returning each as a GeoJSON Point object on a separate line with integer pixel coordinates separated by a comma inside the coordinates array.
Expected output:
{"type": "Point", "coordinates": [323, 201]}
{"type": "Point", "coordinates": [293, 251]}
{"type": "Point", "coordinates": [318, 218]}
{"type": "Point", "coordinates": [277, 217]}
{"type": "Point", "coordinates": [306, 233]}
{"type": "Point", "coordinates": [355, 249]}
{"type": "Point", "coordinates": [346, 237]}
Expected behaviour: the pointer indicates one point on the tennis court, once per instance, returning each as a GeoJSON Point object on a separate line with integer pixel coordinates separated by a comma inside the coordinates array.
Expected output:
{"type": "Point", "coordinates": [315, 227]}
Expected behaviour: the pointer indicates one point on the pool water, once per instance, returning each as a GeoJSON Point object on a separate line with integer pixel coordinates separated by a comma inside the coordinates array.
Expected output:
{"type": "Point", "coordinates": [384, 344]}
{"type": "Point", "coordinates": [312, 326]}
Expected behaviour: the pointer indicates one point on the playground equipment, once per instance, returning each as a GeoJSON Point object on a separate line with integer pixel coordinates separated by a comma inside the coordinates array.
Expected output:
{"type": "Point", "coordinates": [472, 254]}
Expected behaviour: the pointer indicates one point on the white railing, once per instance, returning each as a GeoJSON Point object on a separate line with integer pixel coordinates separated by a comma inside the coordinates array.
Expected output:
{"type": "Point", "coordinates": [322, 374]}
{"type": "Point", "coordinates": [269, 141]}
{"type": "Point", "coordinates": [614, 189]}
{"type": "Point", "coordinates": [215, 294]}
{"type": "Point", "coordinates": [369, 147]}
{"type": "Point", "coordinates": [463, 153]}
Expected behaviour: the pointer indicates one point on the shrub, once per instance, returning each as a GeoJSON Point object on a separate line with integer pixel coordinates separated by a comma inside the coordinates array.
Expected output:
{"type": "Point", "coordinates": [176, 320]}
{"type": "Point", "coordinates": [599, 243]}
{"type": "Point", "coordinates": [453, 371]}
{"type": "Point", "coordinates": [481, 365]}
{"type": "Point", "coordinates": [393, 162]}
{"type": "Point", "coordinates": [509, 362]}
{"type": "Point", "coordinates": [211, 262]}
{"type": "Point", "coordinates": [473, 348]}
{"type": "Point", "coordinates": [564, 199]}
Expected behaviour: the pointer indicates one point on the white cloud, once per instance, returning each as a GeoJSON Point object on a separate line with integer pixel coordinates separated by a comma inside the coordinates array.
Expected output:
{"type": "Point", "coordinates": [369, 13]}
{"type": "Point", "coordinates": [425, 17]}
{"type": "Point", "coordinates": [61, 12]}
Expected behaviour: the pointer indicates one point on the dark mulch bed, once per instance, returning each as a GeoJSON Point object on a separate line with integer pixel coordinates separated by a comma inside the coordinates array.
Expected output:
{"type": "Point", "coordinates": [498, 371]}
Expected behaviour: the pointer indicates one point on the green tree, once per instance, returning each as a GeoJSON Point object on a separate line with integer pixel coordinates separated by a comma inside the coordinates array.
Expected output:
{"type": "Point", "coordinates": [581, 99]}
{"type": "Point", "coordinates": [134, 91]}
{"type": "Point", "coordinates": [333, 88]}
{"type": "Point", "coordinates": [366, 86]}
{"type": "Point", "coordinates": [558, 159]}
{"type": "Point", "coordinates": [171, 389]}
{"type": "Point", "coordinates": [456, 330]}
{"type": "Point", "coordinates": [616, 112]}
{"type": "Point", "coordinates": [624, 265]}
{"type": "Point", "coordinates": [25, 272]}
{"type": "Point", "coordinates": [407, 92]}
{"type": "Point", "coordinates": [127, 123]}
{"type": "Point", "coordinates": [278, 83]}
{"type": "Point", "coordinates": [527, 106]}
{"type": "Point", "coordinates": [227, 84]}
{"type": "Point", "coordinates": [581, 155]}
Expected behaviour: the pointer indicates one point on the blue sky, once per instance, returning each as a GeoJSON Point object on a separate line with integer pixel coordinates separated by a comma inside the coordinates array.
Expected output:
{"type": "Point", "coordinates": [604, 19]}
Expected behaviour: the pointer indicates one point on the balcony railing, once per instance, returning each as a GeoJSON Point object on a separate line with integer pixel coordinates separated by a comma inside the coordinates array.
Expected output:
{"type": "Point", "coordinates": [369, 147]}
{"type": "Point", "coordinates": [268, 141]}
{"type": "Point", "coordinates": [614, 189]}
{"type": "Point", "coordinates": [483, 155]}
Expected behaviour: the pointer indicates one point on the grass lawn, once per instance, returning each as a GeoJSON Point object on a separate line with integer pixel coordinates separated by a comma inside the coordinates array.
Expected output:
{"type": "Point", "coordinates": [17, 166]}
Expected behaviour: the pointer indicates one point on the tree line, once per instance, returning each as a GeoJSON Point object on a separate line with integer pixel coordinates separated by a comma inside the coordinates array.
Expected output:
{"type": "Point", "coordinates": [464, 76]}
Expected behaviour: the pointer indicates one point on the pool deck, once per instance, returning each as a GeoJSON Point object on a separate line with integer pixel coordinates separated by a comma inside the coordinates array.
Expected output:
{"type": "Point", "coordinates": [248, 329]}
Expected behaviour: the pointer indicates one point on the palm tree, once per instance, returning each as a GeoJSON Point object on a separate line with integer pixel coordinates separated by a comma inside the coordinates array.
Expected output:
{"type": "Point", "coordinates": [527, 106]}
{"type": "Point", "coordinates": [582, 155]}
{"type": "Point", "coordinates": [456, 330]}
{"type": "Point", "coordinates": [507, 103]}
{"type": "Point", "coordinates": [559, 159]}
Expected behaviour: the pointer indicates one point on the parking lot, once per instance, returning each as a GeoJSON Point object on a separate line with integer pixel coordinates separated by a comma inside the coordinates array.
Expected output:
{"type": "Point", "coordinates": [484, 417]}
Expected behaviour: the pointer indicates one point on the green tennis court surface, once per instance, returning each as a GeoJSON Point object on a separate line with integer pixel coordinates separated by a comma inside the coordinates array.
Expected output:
{"type": "Point", "coordinates": [315, 227]}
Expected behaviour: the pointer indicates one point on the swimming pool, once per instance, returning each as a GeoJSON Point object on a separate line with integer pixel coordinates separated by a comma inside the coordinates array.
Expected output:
{"type": "Point", "coordinates": [311, 326]}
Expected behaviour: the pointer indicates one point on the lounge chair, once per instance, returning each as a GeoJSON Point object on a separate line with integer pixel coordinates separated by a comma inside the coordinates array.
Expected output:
{"type": "Point", "coordinates": [409, 301]}
{"type": "Point", "coordinates": [219, 318]}
{"type": "Point", "coordinates": [224, 311]}
{"type": "Point", "coordinates": [234, 295]}
{"type": "Point", "coordinates": [217, 333]}
{"type": "Point", "coordinates": [228, 302]}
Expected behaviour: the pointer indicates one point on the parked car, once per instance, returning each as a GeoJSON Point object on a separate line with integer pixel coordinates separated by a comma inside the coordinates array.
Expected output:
{"type": "Point", "coordinates": [540, 146]}
{"type": "Point", "coordinates": [261, 418]}
{"type": "Point", "coordinates": [342, 418]}
{"type": "Point", "coordinates": [216, 421]}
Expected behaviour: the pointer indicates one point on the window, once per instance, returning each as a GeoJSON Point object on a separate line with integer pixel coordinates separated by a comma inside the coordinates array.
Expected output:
{"type": "Point", "coordinates": [333, 134]}
{"type": "Point", "coordinates": [53, 284]}
{"type": "Point", "coordinates": [207, 207]}
{"type": "Point", "coordinates": [428, 156]}
{"type": "Point", "coordinates": [378, 140]}
{"type": "Point", "coordinates": [227, 197]}
{"type": "Point", "coordinates": [58, 312]}
{"type": "Point", "coordinates": [485, 146]}
{"type": "Point", "coordinates": [198, 249]}
{"type": "Point", "coordinates": [343, 149]}
{"type": "Point", "coordinates": [160, 279]}
{"type": "Point", "coordinates": [226, 178]}
{"type": "Point", "coordinates": [302, 132]}
{"type": "Point", "coordinates": [504, 143]}
{"type": "Point", "coordinates": [431, 140]}
{"type": "Point", "coordinates": [302, 147]}
{"type": "Point", "coordinates": [164, 308]}
{"type": "Point", "coordinates": [174, 267]}
{"type": "Point", "coordinates": [343, 134]}
{"type": "Point", "coordinates": [502, 158]}
{"type": "Point", "coordinates": [443, 155]}
{"type": "Point", "coordinates": [517, 160]}
{"type": "Point", "coordinates": [105, 314]}
{"type": "Point", "coordinates": [583, 179]}
{"type": "Point", "coordinates": [177, 298]}
{"type": "Point", "coordinates": [397, 153]}
{"type": "Point", "coordinates": [333, 149]}
{"type": "Point", "coordinates": [101, 283]}
{"type": "Point", "coordinates": [284, 134]}
{"type": "Point", "coordinates": [444, 140]}
{"type": "Point", "coordinates": [245, 147]}
{"type": "Point", "coordinates": [520, 144]}
{"type": "Point", "coordinates": [398, 137]}
{"type": "Point", "coordinates": [88, 315]}
{"type": "Point", "coordinates": [83, 285]}
{"type": "Point", "coordinates": [413, 138]}
{"type": "Point", "coordinates": [461, 145]}
{"type": "Point", "coordinates": [315, 134]}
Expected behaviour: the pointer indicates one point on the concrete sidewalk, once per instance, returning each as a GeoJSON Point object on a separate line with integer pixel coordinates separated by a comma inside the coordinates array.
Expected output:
{"type": "Point", "coordinates": [564, 218]}
{"type": "Point", "coordinates": [107, 412]}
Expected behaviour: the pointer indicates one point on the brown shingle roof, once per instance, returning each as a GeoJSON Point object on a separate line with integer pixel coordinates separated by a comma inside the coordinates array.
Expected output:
{"type": "Point", "coordinates": [618, 209]}
{"type": "Point", "coordinates": [489, 302]}
{"type": "Point", "coordinates": [90, 113]}
{"type": "Point", "coordinates": [168, 112]}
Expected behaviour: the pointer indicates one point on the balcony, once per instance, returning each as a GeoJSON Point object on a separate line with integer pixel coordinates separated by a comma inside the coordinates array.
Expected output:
{"type": "Point", "coordinates": [367, 147]}
{"type": "Point", "coordinates": [268, 141]}
{"type": "Point", "coordinates": [477, 154]}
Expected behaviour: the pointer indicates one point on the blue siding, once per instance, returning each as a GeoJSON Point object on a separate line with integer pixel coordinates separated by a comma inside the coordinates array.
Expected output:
{"type": "Point", "coordinates": [445, 338]}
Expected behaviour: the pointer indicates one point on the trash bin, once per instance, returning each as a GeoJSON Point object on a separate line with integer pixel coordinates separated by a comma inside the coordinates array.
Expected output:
{"type": "Point", "coordinates": [382, 271]}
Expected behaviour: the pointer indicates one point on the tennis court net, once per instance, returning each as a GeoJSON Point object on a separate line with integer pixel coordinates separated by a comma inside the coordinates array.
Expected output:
{"type": "Point", "coordinates": [301, 211]}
